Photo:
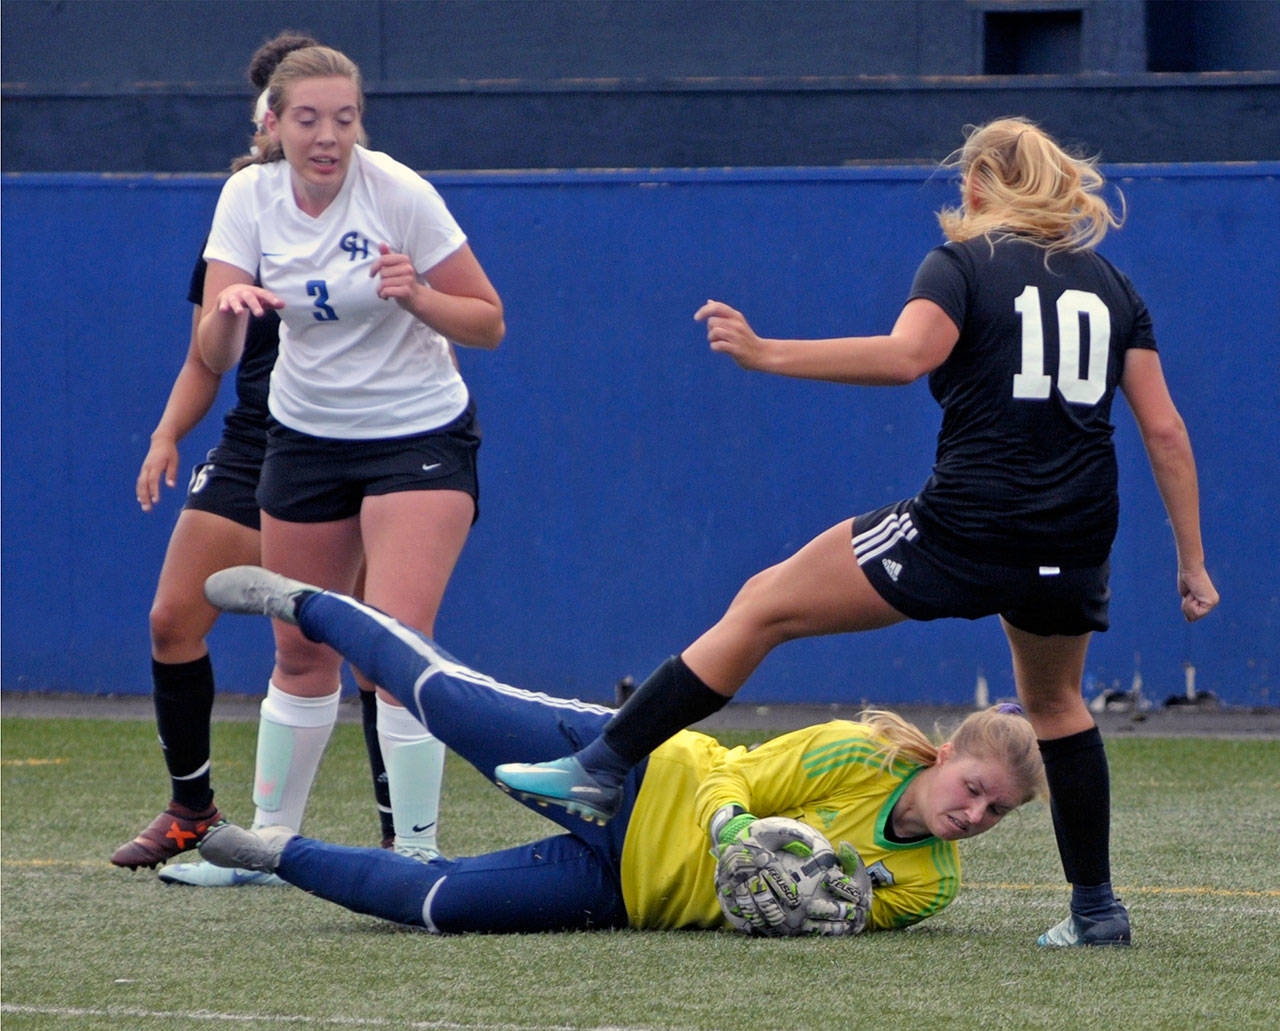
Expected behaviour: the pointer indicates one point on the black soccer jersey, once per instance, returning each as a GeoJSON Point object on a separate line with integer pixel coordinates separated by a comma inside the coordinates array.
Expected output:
{"type": "Point", "coordinates": [246, 422]}
{"type": "Point", "coordinates": [1025, 472]}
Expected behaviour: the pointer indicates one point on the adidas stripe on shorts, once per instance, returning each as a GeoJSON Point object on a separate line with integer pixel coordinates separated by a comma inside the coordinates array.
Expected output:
{"type": "Point", "coordinates": [924, 582]}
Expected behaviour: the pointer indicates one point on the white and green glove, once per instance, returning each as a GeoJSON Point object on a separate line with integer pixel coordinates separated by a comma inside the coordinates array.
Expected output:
{"type": "Point", "coordinates": [779, 877]}
{"type": "Point", "coordinates": [845, 905]}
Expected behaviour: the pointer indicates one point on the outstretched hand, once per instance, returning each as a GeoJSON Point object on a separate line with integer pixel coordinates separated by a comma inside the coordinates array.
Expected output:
{"type": "Point", "coordinates": [239, 298]}
{"type": "Point", "coordinates": [1199, 596]}
{"type": "Point", "coordinates": [729, 332]}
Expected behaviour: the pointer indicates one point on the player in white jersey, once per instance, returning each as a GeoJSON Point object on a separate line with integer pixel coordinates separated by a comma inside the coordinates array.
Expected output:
{"type": "Point", "coordinates": [218, 526]}
{"type": "Point", "coordinates": [373, 440]}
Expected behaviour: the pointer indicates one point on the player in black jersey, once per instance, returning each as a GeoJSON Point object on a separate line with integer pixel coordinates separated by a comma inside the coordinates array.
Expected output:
{"type": "Point", "coordinates": [1025, 333]}
{"type": "Point", "coordinates": [218, 527]}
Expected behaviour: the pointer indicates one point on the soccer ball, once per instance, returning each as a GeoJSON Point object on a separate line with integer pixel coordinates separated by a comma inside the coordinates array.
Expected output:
{"type": "Point", "coordinates": [780, 860]}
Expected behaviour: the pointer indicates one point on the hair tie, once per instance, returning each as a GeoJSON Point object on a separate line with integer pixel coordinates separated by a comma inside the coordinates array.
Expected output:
{"type": "Point", "coordinates": [260, 108]}
{"type": "Point", "coordinates": [1010, 709]}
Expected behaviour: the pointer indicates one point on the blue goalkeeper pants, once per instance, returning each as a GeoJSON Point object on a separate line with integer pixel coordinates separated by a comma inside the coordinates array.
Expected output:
{"type": "Point", "coordinates": [565, 882]}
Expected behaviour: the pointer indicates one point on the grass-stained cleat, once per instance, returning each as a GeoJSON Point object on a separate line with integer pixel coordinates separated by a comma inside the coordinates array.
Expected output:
{"type": "Point", "coordinates": [254, 591]}
{"type": "Point", "coordinates": [233, 847]}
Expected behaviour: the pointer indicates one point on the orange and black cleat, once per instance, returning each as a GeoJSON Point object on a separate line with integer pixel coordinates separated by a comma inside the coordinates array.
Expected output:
{"type": "Point", "coordinates": [171, 833]}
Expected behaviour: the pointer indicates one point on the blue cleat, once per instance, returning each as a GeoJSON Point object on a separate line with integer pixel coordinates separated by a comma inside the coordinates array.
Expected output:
{"type": "Point", "coordinates": [562, 782]}
{"type": "Point", "coordinates": [1076, 931]}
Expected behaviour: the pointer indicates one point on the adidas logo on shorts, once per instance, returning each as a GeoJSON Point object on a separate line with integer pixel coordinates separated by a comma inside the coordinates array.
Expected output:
{"type": "Point", "coordinates": [892, 568]}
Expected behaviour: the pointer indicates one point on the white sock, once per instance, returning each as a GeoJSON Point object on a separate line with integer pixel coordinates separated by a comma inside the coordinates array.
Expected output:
{"type": "Point", "coordinates": [414, 758]}
{"type": "Point", "coordinates": [292, 735]}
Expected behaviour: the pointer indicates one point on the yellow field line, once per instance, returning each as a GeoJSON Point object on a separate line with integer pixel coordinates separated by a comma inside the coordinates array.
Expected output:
{"type": "Point", "coordinates": [1131, 889]}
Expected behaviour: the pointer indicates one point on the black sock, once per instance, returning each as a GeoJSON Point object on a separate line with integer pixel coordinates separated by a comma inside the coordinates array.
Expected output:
{"type": "Point", "coordinates": [183, 696]}
{"type": "Point", "coordinates": [670, 699]}
{"type": "Point", "coordinates": [381, 792]}
{"type": "Point", "coordinates": [1080, 799]}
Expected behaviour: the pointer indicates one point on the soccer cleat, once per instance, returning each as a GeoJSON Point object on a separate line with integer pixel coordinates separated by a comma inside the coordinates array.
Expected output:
{"type": "Point", "coordinates": [169, 834]}
{"type": "Point", "coordinates": [235, 848]}
{"type": "Point", "coordinates": [562, 782]}
{"type": "Point", "coordinates": [206, 875]}
{"type": "Point", "coordinates": [421, 854]}
{"type": "Point", "coordinates": [1076, 931]}
{"type": "Point", "coordinates": [255, 591]}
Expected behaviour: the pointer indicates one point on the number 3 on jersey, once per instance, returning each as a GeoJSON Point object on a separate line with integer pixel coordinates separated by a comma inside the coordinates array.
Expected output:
{"type": "Point", "coordinates": [316, 288]}
{"type": "Point", "coordinates": [1033, 383]}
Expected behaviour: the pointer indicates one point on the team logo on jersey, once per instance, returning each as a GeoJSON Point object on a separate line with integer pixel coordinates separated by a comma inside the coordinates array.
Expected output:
{"type": "Point", "coordinates": [894, 569]}
{"type": "Point", "coordinates": [356, 246]}
{"type": "Point", "coordinates": [879, 874]}
{"type": "Point", "coordinates": [827, 816]}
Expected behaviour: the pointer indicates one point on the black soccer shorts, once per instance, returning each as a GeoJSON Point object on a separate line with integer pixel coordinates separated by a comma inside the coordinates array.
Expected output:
{"type": "Point", "coordinates": [225, 482]}
{"type": "Point", "coordinates": [308, 479]}
{"type": "Point", "coordinates": [924, 582]}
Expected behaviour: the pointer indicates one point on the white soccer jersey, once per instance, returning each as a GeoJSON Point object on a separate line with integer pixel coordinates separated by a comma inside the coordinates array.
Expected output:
{"type": "Point", "coordinates": [351, 365]}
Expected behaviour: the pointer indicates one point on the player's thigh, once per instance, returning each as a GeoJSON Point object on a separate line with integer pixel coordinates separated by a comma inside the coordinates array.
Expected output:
{"type": "Point", "coordinates": [412, 540]}
{"type": "Point", "coordinates": [201, 544]}
{"type": "Point", "coordinates": [326, 554]}
{"type": "Point", "coordinates": [1048, 671]}
{"type": "Point", "coordinates": [820, 589]}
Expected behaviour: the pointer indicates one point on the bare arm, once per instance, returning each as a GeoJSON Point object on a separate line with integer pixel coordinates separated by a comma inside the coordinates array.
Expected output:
{"type": "Point", "coordinates": [1164, 435]}
{"type": "Point", "coordinates": [457, 300]}
{"type": "Point", "coordinates": [920, 341]}
{"type": "Point", "coordinates": [230, 297]}
{"type": "Point", "coordinates": [192, 395]}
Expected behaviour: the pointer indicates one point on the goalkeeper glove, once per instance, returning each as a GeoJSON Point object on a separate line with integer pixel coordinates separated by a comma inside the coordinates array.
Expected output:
{"type": "Point", "coordinates": [847, 912]}
{"type": "Point", "coordinates": [743, 895]}
{"type": "Point", "coordinates": [727, 825]}
{"type": "Point", "coordinates": [754, 890]}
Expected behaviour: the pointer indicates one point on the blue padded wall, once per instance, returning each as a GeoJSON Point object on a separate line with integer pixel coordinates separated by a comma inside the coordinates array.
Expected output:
{"type": "Point", "coordinates": [631, 479]}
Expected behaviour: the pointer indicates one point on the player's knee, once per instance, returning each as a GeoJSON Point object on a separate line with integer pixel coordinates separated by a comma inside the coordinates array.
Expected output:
{"type": "Point", "coordinates": [1051, 702]}
{"type": "Point", "coordinates": [760, 611]}
{"type": "Point", "coordinates": [298, 658]}
{"type": "Point", "coordinates": [174, 628]}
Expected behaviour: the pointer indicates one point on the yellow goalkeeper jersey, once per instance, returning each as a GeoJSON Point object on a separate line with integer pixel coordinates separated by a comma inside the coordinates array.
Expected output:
{"type": "Point", "coordinates": [829, 776]}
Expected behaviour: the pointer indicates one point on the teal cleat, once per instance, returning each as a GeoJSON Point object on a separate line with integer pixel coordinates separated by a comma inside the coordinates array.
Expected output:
{"type": "Point", "coordinates": [1076, 931]}
{"type": "Point", "coordinates": [562, 782]}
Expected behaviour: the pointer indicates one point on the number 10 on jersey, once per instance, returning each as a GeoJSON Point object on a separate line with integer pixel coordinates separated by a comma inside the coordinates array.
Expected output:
{"type": "Point", "coordinates": [1082, 387]}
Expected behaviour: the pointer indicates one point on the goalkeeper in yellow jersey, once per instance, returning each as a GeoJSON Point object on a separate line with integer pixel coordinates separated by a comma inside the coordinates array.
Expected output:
{"type": "Point", "coordinates": [878, 785]}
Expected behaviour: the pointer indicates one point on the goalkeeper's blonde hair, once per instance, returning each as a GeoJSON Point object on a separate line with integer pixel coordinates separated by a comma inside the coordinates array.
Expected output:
{"type": "Point", "coordinates": [1017, 179]}
{"type": "Point", "coordinates": [995, 733]}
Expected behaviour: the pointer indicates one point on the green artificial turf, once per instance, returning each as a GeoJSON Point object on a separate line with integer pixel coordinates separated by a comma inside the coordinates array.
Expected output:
{"type": "Point", "coordinates": [1196, 856]}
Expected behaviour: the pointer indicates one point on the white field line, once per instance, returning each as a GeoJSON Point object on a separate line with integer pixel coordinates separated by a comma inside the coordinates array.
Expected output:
{"type": "Point", "coordinates": [286, 1020]}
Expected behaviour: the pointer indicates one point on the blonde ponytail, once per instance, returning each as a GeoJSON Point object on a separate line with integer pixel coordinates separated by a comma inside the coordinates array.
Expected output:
{"type": "Point", "coordinates": [1017, 179]}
